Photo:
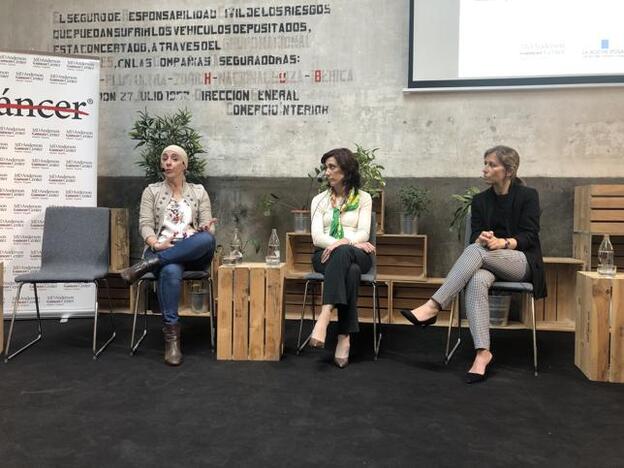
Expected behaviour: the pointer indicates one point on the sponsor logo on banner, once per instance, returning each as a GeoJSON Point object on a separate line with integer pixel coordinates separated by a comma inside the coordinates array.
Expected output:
{"type": "Point", "coordinates": [29, 178]}
{"type": "Point", "coordinates": [45, 133]}
{"type": "Point", "coordinates": [26, 208]}
{"type": "Point", "coordinates": [74, 165]}
{"type": "Point", "coordinates": [11, 131]}
{"type": "Point", "coordinates": [44, 163]}
{"type": "Point", "coordinates": [44, 194]}
{"type": "Point", "coordinates": [11, 162]}
{"type": "Point", "coordinates": [11, 223]}
{"type": "Point", "coordinates": [62, 149]}
{"type": "Point", "coordinates": [78, 194]}
{"type": "Point", "coordinates": [11, 192]}
{"type": "Point", "coordinates": [26, 239]}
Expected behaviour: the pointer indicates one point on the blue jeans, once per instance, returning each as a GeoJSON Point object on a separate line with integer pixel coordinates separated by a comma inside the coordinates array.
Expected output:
{"type": "Point", "coordinates": [193, 253]}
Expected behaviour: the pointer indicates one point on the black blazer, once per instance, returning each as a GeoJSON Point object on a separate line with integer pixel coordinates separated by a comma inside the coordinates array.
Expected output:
{"type": "Point", "coordinates": [524, 227]}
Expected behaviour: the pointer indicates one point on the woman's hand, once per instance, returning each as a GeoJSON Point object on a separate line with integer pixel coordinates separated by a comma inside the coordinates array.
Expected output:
{"type": "Point", "coordinates": [327, 252]}
{"type": "Point", "coordinates": [164, 245]}
{"type": "Point", "coordinates": [365, 246]}
{"type": "Point", "coordinates": [484, 238]}
{"type": "Point", "coordinates": [495, 244]}
{"type": "Point", "coordinates": [208, 225]}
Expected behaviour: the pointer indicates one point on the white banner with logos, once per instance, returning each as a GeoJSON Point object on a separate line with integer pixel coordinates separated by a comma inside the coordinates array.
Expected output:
{"type": "Point", "coordinates": [48, 156]}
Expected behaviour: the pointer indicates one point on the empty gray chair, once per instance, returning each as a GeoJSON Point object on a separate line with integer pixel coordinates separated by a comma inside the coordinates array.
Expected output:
{"type": "Point", "coordinates": [507, 286]}
{"type": "Point", "coordinates": [370, 277]}
{"type": "Point", "coordinates": [202, 275]}
{"type": "Point", "coordinates": [75, 249]}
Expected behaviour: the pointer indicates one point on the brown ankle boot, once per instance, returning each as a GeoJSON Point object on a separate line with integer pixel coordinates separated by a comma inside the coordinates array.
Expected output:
{"type": "Point", "coordinates": [133, 273]}
{"type": "Point", "coordinates": [173, 352]}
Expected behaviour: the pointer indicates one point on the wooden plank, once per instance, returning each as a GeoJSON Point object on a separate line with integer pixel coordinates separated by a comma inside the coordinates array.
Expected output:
{"type": "Point", "coordinates": [550, 301]}
{"type": "Point", "coordinates": [616, 313]}
{"type": "Point", "coordinates": [563, 260]}
{"type": "Point", "coordinates": [274, 315]}
{"type": "Point", "coordinates": [592, 332]}
{"type": "Point", "coordinates": [256, 313]}
{"type": "Point", "coordinates": [599, 328]}
{"type": "Point", "coordinates": [581, 208]}
{"type": "Point", "coordinates": [583, 311]}
{"type": "Point", "coordinates": [240, 326]}
{"type": "Point", "coordinates": [606, 216]}
{"type": "Point", "coordinates": [607, 203]}
{"type": "Point", "coordinates": [610, 190]}
{"type": "Point", "coordinates": [119, 240]}
{"type": "Point", "coordinates": [614, 228]}
{"type": "Point", "coordinates": [225, 311]}
{"type": "Point", "coordinates": [581, 248]}
{"type": "Point", "coordinates": [566, 284]}
{"type": "Point", "coordinates": [412, 271]}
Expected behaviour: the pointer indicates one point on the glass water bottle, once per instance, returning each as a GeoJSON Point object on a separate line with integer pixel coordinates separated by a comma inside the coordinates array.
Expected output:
{"type": "Point", "coordinates": [273, 249]}
{"type": "Point", "coordinates": [606, 261]}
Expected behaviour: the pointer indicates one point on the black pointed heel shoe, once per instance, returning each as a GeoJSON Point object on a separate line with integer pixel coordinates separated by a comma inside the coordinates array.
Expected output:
{"type": "Point", "coordinates": [412, 318]}
{"type": "Point", "coordinates": [472, 377]}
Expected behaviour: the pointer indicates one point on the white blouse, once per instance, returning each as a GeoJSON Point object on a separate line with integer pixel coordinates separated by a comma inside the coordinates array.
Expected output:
{"type": "Point", "coordinates": [177, 221]}
{"type": "Point", "coordinates": [355, 223]}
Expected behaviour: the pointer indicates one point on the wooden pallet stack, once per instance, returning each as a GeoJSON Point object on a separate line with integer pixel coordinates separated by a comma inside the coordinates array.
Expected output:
{"type": "Point", "coordinates": [401, 276]}
{"type": "Point", "coordinates": [598, 210]}
{"type": "Point", "coordinates": [119, 259]}
{"type": "Point", "coordinates": [403, 282]}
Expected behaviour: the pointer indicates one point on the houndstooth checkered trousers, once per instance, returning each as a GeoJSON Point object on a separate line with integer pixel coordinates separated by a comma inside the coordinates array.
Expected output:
{"type": "Point", "coordinates": [476, 269]}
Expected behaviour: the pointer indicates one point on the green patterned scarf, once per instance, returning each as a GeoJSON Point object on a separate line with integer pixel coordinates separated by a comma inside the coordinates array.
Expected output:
{"type": "Point", "coordinates": [352, 203]}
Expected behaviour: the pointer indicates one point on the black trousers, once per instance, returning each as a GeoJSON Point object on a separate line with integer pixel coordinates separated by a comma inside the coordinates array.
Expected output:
{"type": "Point", "coordinates": [342, 281]}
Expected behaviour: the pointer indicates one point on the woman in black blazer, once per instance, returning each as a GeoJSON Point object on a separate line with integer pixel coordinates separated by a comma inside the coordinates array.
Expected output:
{"type": "Point", "coordinates": [504, 245]}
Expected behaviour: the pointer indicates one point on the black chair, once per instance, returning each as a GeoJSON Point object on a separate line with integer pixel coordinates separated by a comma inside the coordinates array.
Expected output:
{"type": "Point", "coordinates": [75, 249]}
{"type": "Point", "coordinates": [503, 286]}
{"type": "Point", "coordinates": [202, 275]}
{"type": "Point", "coordinates": [370, 277]}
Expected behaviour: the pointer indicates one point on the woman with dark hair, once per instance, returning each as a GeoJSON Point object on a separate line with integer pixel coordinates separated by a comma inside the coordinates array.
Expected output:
{"type": "Point", "coordinates": [505, 245]}
{"type": "Point", "coordinates": [177, 226]}
{"type": "Point", "coordinates": [341, 218]}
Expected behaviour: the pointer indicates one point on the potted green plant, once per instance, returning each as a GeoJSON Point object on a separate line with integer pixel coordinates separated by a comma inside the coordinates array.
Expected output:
{"type": "Point", "coordinates": [154, 133]}
{"type": "Point", "coordinates": [463, 206]}
{"type": "Point", "coordinates": [414, 202]}
{"type": "Point", "coordinates": [372, 181]}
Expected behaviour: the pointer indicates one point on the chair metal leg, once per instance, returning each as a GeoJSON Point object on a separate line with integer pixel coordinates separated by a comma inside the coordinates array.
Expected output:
{"type": "Point", "coordinates": [454, 310]}
{"type": "Point", "coordinates": [376, 321]}
{"type": "Point", "coordinates": [300, 346]}
{"type": "Point", "coordinates": [212, 313]}
{"type": "Point", "coordinates": [8, 356]}
{"type": "Point", "coordinates": [96, 351]}
{"type": "Point", "coordinates": [134, 346]}
{"type": "Point", "coordinates": [534, 335]}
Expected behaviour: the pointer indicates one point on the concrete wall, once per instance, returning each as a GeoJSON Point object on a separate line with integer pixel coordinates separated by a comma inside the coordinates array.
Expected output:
{"type": "Point", "coordinates": [350, 66]}
{"type": "Point", "coordinates": [360, 50]}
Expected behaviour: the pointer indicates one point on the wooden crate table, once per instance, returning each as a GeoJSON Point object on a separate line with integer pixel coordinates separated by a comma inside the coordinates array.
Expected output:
{"type": "Point", "coordinates": [250, 319]}
{"type": "Point", "coordinates": [598, 210]}
{"type": "Point", "coordinates": [599, 340]}
{"type": "Point", "coordinates": [556, 311]}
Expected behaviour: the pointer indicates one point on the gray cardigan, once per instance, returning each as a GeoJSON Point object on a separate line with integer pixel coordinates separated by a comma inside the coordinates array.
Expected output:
{"type": "Point", "coordinates": [156, 198]}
